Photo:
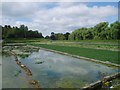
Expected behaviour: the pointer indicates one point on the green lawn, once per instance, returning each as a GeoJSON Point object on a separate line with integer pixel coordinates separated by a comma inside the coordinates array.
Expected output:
{"type": "Point", "coordinates": [104, 55]}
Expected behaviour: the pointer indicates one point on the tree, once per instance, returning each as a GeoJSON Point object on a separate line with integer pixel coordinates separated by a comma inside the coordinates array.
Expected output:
{"type": "Point", "coordinates": [100, 30]}
{"type": "Point", "coordinates": [47, 37]}
{"type": "Point", "coordinates": [88, 34]}
{"type": "Point", "coordinates": [59, 36]}
{"type": "Point", "coordinates": [21, 32]}
{"type": "Point", "coordinates": [66, 35]}
{"type": "Point", "coordinates": [52, 36]}
{"type": "Point", "coordinates": [115, 30]}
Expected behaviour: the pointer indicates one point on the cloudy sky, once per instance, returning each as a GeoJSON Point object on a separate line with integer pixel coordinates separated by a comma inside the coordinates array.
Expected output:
{"type": "Point", "coordinates": [58, 16]}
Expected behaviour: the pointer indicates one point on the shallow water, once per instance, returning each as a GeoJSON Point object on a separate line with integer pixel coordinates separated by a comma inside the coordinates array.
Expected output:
{"type": "Point", "coordinates": [10, 74]}
{"type": "Point", "coordinates": [64, 71]}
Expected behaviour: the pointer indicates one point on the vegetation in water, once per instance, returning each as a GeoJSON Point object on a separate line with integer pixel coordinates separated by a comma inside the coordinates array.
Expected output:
{"type": "Point", "coordinates": [23, 55]}
{"type": "Point", "coordinates": [17, 73]}
{"type": "Point", "coordinates": [40, 62]}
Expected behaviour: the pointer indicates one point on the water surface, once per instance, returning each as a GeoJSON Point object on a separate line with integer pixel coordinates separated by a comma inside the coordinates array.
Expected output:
{"type": "Point", "coordinates": [10, 74]}
{"type": "Point", "coordinates": [64, 71]}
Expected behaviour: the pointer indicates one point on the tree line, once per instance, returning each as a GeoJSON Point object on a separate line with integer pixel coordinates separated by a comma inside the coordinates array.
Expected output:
{"type": "Point", "coordinates": [19, 32]}
{"type": "Point", "coordinates": [58, 36]}
{"type": "Point", "coordinates": [101, 31]}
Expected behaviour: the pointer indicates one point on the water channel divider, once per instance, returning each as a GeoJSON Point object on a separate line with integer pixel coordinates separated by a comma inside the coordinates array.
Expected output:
{"type": "Point", "coordinates": [34, 83]}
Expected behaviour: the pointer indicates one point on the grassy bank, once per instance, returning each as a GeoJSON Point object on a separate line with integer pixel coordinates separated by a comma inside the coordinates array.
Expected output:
{"type": "Point", "coordinates": [25, 40]}
{"type": "Point", "coordinates": [57, 41]}
{"type": "Point", "coordinates": [104, 55]}
{"type": "Point", "coordinates": [94, 44]}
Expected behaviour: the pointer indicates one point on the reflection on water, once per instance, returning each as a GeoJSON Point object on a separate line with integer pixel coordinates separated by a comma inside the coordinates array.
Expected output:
{"type": "Point", "coordinates": [11, 77]}
{"type": "Point", "coordinates": [64, 71]}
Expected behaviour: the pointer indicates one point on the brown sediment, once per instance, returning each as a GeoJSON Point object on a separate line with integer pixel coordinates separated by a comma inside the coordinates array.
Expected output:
{"type": "Point", "coordinates": [34, 83]}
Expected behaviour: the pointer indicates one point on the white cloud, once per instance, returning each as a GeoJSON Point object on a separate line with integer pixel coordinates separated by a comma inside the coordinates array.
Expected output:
{"type": "Point", "coordinates": [57, 17]}
{"type": "Point", "coordinates": [0, 13]}
{"type": "Point", "coordinates": [60, 0]}
{"type": "Point", "coordinates": [15, 9]}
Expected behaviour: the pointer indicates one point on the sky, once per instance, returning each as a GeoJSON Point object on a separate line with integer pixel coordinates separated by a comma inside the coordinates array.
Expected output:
{"type": "Point", "coordinates": [58, 17]}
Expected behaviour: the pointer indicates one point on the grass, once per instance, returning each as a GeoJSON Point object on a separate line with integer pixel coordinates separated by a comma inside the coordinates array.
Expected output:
{"type": "Point", "coordinates": [57, 41]}
{"type": "Point", "coordinates": [95, 44]}
{"type": "Point", "coordinates": [104, 55]}
{"type": "Point", "coordinates": [105, 50]}
{"type": "Point", "coordinates": [24, 40]}
{"type": "Point", "coordinates": [116, 88]}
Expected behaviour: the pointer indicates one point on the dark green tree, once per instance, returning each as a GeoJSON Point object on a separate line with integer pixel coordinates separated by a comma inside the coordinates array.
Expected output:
{"type": "Point", "coordinates": [52, 36]}
{"type": "Point", "coordinates": [66, 35]}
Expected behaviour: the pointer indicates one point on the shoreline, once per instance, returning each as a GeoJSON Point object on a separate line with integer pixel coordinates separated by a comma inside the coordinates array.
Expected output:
{"type": "Point", "coordinates": [80, 57]}
{"type": "Point", "coordinates": [33, 83]}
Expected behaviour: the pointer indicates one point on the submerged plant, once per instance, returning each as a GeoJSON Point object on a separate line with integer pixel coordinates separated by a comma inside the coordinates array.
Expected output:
{"type": "Point", "coordinates": [17, 73]}
{"type": "Point", "coordinates": [39, 62]}
{"type": "Point", "coordinates": [23, 55]}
